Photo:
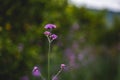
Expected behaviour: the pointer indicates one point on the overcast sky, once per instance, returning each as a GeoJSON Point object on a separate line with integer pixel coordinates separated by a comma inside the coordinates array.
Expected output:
{"type": "Point", "coordinates": [113, 5]}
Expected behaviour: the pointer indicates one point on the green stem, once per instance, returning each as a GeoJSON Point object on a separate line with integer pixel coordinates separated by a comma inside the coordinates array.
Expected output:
{"type": "Point", "coordinates": [49, 60]}
{"type": "Point", "coordinates": [57, 73]}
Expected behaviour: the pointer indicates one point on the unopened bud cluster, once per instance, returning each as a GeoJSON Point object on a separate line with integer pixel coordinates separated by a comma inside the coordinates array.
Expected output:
{"type": "Point", "coordinates": [63, 66]}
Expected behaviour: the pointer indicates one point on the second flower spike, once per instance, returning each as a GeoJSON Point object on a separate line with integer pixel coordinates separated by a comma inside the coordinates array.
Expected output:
{"type": "Point", "coordinates": [36, 71]}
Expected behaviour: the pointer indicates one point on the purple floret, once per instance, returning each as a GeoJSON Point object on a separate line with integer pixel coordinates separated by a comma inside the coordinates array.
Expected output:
{"type": "Point", "coordinates": [54, 36]}
{"type": "Point", "coordinates": [50, 26]}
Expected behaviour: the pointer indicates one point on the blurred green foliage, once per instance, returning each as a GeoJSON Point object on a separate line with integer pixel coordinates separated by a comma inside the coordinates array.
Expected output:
{"type": "Point", "coordinates": [23, 45]}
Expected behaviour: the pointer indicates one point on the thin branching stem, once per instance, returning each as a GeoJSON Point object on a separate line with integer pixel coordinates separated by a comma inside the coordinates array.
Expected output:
{"type": "Point", "coordinates": [57, 74]}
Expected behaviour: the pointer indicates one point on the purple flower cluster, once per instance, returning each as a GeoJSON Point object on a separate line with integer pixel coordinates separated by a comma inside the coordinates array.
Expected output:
{"type": "Point", "coordinates": [50, 26]}
{"type": "Point", "coordinates": [48, 33]}
{"type": "Point", "coordinates": [53, 36]}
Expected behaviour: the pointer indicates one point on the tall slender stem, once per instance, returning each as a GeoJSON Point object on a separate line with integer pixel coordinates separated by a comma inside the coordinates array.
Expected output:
{"type": "Point", "coordinates": [49, 60]}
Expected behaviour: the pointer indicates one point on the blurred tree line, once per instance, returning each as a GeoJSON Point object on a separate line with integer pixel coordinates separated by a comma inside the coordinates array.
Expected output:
{"type": "Point", "coordinates": [23, 45]}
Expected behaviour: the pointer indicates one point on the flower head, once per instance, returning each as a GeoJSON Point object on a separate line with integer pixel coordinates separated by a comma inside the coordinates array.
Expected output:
{"type": "Point", "coordinates": [36, 71]}
{"type": "Point", "coordinates": [63, 66]}
{"type": "Point", "coordinates": [53, 36]}
{"type": "Point", "coordinates": [50, 26]}
{"type": "Point", "coordinates": [47, 33]}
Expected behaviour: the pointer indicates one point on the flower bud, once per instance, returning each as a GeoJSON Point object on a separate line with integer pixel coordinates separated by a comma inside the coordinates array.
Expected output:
{"type": "Point", "coordinates": [47, 33]}
{"type": "Point", "coordinates": [63, 66]}
{"type": "Point", "coordinates": [36, 71]}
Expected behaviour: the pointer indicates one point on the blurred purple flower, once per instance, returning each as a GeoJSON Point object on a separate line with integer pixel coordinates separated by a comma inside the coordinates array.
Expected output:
{"type": "Point", "coordinates": [36, 71]}
{"type": "Point", "coordinates": [80, 56]}
{"type": "Point", "coordinates": [85, 56]}
{"type": "Point", "coordinates": [75, 45]}
{"type": "Point", "coordinates": [71, 57]}
{"type": "Point", "coordinates": [47, 33]}
{"type": "Point", "coordinates": [24, 78]}
{"type": "Point", "coordinates": [50, 26]}
{"type": "Point", "coordinates": [54, 36]}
